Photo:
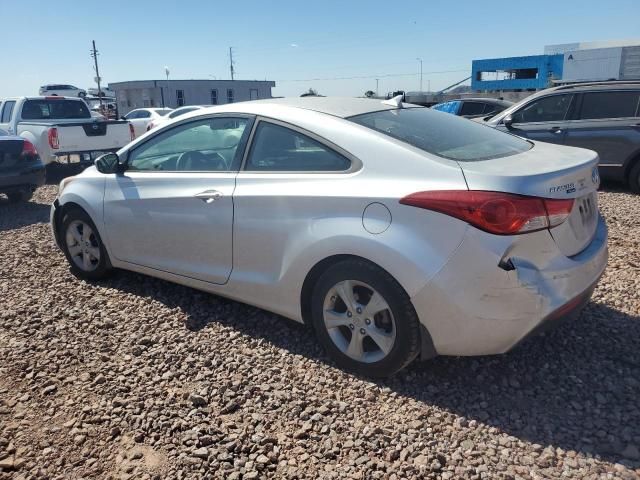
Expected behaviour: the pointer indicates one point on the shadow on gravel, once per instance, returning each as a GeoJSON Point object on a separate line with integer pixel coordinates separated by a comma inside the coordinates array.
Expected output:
{"type": "Point", "coordinates": [577, 388]}
{"type": "Point", "coordinates": [17, 215]}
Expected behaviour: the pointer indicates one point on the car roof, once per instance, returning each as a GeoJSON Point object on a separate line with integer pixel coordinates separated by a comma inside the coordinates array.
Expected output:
{"type": "Point", "coordinates": [342, 107]}
{"type": "Point", "coordinates": [495, 101]}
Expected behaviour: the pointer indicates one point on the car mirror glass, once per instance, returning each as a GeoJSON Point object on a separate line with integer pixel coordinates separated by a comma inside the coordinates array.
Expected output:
{"type": "Point", "coordinates": [108, 163]}
{"type": "Point", "coordinates": [508, 121]}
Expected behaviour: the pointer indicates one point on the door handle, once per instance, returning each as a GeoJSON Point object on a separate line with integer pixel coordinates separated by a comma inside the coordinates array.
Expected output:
{"type": "Point", "coordinates": [555, 130]}
{"type": "Point", "coordinates": [209, 196]}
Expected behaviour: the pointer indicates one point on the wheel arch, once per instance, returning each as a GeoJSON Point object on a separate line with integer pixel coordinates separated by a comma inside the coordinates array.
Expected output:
{"type": "Point", "coordinates": [632, 161]}
{"type": "Point", "coordinates": [427, 348]}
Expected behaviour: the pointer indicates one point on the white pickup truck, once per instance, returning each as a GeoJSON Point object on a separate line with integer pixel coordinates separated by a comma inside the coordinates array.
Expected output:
{"type": "Point", "coordinates": [62, 127]}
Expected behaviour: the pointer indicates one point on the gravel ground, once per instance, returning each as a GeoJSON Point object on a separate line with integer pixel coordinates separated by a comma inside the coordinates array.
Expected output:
{"type": "Point", "coordinates": [139, 378]}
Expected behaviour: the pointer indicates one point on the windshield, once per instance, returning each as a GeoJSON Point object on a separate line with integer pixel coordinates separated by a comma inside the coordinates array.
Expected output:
{"type": "Point", "coordinates": [46, 109]}
{"type": "Point", "coordinates": [442, 134]}
{"type": "Point", "coordinates": [162, 112]}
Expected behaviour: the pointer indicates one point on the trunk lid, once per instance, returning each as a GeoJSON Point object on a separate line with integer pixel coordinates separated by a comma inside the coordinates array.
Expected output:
{"type": "Point", "coordinates": [548, 171]}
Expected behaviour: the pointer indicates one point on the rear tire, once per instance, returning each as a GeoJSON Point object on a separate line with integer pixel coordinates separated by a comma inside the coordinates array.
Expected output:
{"type": "Point", "coordinates": [378, 334]}
{"type": "Point", "coordinates": [21, 196]}
{"type": "Point", "coordinates": [83, 247]}
{"type": "Point", "coordinates": [634, 178]}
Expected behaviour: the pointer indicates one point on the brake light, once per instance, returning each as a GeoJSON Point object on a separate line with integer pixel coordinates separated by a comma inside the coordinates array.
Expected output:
{"type": "Point", "coordinates": [494, 212]}
{"type": "Point", "coordinates": [28, 149]}
{"type": "Point", "coordinates": [132, 132]}
{"type": "Point", "coordinates": [53, 138]}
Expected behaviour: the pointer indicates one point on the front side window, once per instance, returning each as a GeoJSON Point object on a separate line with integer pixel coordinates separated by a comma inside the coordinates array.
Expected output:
{"type": "Point", "coordinates": [277, 148]}
{"type": "Point", "coordinates": [230, 95]}
{"type": "Point", "coordinates": [553, 108]}
{"type": "Point", "coordinates": [131, 115]}
{"type": "Point", "coordinates": [207, 145]}
{"type": "Point", "coordinates": [472, 108]}
{"type": "Point", "coordinates": [446, 136]}
{"type": "Point", "coordinates": [609, 105]}
{"type": "Point", "coordinates": [214, 97]}
{"type": "Point", "coordinates": [58, 108]}
{"type": "Point", "coordinates": [180, 97]}
{"type": "Point", "coordinates": [7, 110]}
{"type": "Point", "coordinates": [143, 114]}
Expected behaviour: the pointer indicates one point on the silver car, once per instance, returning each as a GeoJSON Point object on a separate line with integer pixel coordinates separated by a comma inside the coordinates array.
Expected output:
{"type": "Point", "coordinates": [396, 231]}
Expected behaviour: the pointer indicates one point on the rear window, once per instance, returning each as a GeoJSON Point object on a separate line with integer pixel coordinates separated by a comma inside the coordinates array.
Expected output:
{"type": "Point", "coordinates": [177, 113]}
{"type": "Point", "coordinates": [609, 105]}
{"type": "Point", "coordinates": [162, 112]}
{"type": "Point", "coordinates": [444, 135]}
{"type": "Point", "coordinates": [45, 109]}
{"type": "Point", "coordinates": [449, 107]}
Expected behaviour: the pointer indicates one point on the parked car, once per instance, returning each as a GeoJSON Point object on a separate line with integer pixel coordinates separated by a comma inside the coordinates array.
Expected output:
{"type": "Point", "coordinates": [21, 170]}
{"type": "Point", "coordinates": [473, 107]}
{"type": "Point", "coordinates": [141, 117]}
{"type": "Point", "coordinates": [604, 117]}
{"type": "Point", "coordinates": [61, 126]}
{"type": "Point", "coordinates": [394, 230]}
{"type": "Point", "coordinates": [103, 92]}
{"type": "Point", "coordinates": [61, 90]}
{"type": "Point", "coordinates": [156, 122]}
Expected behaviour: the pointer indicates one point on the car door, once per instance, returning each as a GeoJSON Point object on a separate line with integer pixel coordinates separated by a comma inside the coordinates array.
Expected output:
{"type": "Point", "coordinates": [607, 122]}
{"type": "Point", "coordinates": [172, 209]}
{"type": "Point", "coordinates": [543, 119]}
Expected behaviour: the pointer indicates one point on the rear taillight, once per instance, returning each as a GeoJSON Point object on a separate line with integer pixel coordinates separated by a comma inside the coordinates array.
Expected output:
{"type": "Point", "coordinates": [494, 212]}
{"type": "Point", "coordinates": [53, 138]}
{"type": "Point", "coordinates": [132, 132]}
{"type": "Point", "coordinates": [28, 149]}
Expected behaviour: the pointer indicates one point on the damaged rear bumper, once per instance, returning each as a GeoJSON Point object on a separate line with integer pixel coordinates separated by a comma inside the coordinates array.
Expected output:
{"type": "Point", "coordinates": [495, 291]}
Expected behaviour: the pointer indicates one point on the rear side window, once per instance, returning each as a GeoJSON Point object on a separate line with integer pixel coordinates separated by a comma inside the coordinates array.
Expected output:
{"type": "Point", "coordinates": [143, 114]}
{"type": "Point", "coordinates": [609, 105]}
{"type": "Point", "coordinates": [7, 110]}
{"type": "Point", "coordinates": [447, 136]}
{"type": "Point", "coordinates": [472, 108]}
{"type": "Point", "coordinates": [54, 109]}
{"type": "Point", "coordinates": [553, 108]}
{"type": "Point", "coordinates": [449, 107]}
{"type": "Point", "coordinates": [277, 148]}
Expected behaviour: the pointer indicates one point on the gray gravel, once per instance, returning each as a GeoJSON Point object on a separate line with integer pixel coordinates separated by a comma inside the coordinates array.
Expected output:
{"type": "Point", "coordinates": [138, 378]}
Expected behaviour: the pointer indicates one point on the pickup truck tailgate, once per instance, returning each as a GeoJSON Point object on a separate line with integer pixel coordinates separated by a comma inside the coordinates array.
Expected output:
{"type": "Point", "coordinates": [91, 136]}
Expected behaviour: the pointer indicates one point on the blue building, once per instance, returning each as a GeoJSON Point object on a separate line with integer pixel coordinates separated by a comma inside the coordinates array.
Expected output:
{"type": "Point", "coordinates": [533, 72]}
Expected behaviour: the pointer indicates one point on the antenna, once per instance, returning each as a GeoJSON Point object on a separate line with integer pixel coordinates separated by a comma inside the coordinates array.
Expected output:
{"type": "Point", "coordinates": [94, 54]}
{"type": "Point", "coordinates": [231, 62]}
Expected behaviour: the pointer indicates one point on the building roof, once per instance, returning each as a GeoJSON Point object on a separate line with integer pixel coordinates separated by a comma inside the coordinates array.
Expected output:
{"type": "Point", "coordinates": [337, 106]}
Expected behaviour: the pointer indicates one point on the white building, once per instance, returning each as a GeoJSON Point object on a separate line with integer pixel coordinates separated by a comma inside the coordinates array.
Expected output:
{"type": "Point", "coordinates": [176, 93]}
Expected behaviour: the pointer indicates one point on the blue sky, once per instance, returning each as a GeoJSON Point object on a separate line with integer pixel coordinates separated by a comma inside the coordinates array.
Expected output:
{"type": "Point", "coordinates": [299, 44]}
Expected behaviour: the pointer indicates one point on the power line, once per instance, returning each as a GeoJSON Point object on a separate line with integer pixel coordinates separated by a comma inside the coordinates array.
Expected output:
{"type": "Point", "coordinates": [357, 77]}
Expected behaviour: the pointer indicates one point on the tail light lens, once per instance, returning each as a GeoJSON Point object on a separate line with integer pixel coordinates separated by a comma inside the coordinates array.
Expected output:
{"type": "Point", "coordinates": [53, 138]}
{"type": "Point", "coordinates": [494, 212]}
{"type": "Point", "coordinates": [28, 149]}
{"type": "Point", "coordinates": [132, 132]}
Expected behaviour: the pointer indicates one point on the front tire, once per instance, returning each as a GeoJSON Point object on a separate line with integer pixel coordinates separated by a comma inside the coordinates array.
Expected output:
{"type": "Point", "coordinates": [365, 319]}
{"type": "Point", "coordinates": [83, 247]}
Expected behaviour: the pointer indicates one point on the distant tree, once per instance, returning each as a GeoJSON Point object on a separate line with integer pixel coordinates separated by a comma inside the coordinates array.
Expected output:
{"type": "Point", "coordinates": [369, 93]}
{"type": "Point", "coordinates": [310, 93]}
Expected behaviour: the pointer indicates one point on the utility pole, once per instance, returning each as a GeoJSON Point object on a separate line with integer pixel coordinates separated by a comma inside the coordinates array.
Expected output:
{"type": "Point", "coordinates": [94, 54]}
{"type": "Point", "coordinates": [420, 60]}
{"type": "Point", "coordinates": [231, 61]}
{"type": "Point", "coordinates": [377, 80]}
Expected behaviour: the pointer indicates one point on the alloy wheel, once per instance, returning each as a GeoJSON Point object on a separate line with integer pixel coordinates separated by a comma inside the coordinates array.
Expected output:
{"type": "Point", "coordinates": [359, 321]}
{"type": "Point", "coordinates": [83, 246]}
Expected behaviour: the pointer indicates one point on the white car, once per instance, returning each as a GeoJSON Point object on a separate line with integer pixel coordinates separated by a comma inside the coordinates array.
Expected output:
{"type": "Point", "coordinates": [396, 231]}
{"type": "Point", "coordinates": [61, 90]}
{"type": "Point", "coordinates": [104, 90]}
{"type": "Point", "coordinates": [141, 117]}
{"type": "Point", "coordinates": [156, 122]}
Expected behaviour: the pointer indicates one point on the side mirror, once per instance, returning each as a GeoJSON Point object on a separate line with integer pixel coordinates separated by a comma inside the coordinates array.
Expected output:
{"type": "Point", "coordinates": [508, 121]}
{"type": "Point", "coordinates": [109, 163]}
{"type": "Point", "coordinates": [122, 118]}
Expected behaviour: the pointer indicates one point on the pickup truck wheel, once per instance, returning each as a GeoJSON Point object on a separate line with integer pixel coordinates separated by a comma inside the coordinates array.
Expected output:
{"type": "Point", "coordinates": [83, 247]}
{"type": "Point", "coordinates": [21, 196]}
{"type": "Point", "coordinates": [634, 178]}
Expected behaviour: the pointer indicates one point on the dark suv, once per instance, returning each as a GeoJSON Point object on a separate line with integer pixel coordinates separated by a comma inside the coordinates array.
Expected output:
{"type": "Point", "coordinates": [604, 117]}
